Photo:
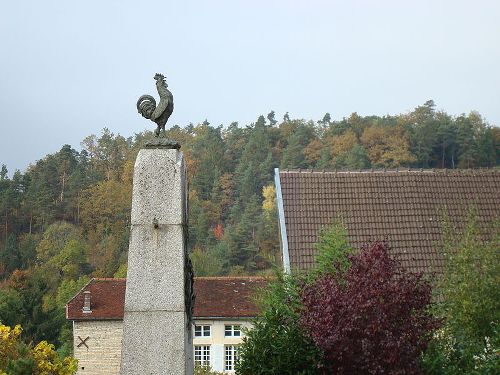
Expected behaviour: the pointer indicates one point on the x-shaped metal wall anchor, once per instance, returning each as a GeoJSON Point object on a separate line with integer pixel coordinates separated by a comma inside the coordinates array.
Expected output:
{"type": "Point", "coordinates": [83, 342]}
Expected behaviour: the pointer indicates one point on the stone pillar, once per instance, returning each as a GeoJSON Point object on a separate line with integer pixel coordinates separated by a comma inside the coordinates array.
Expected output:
{"type": "Point", "coordinates": [156, 330]}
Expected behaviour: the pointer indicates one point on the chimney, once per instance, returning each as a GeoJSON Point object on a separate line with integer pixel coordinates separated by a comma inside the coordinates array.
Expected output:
{"type": "Point", "coordinates": [86, 302]}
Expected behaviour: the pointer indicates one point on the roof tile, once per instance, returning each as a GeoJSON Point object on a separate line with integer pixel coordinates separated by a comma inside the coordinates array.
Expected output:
{"type": "Point", "coordinates": [405, 207]}
{"type": "Point", "coordinates": [230, 297]}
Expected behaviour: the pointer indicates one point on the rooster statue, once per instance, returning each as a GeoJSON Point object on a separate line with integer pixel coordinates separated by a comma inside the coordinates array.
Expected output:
{"type": "Point", "coordinates": [146, 105]}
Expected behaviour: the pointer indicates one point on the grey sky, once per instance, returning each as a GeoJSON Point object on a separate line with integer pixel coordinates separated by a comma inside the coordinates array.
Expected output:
{"type": "Point", "coordinates": [70, 68]}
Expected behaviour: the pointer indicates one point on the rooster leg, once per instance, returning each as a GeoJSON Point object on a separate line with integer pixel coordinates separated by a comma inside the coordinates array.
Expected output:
{"type": "Point", "coordinates": [157, 131]}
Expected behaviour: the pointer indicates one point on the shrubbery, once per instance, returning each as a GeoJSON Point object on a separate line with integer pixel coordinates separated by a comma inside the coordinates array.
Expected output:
{"type": "Point", "coordinates": [468, 298]}
{"type": "Point", "coordinates": [277, 344]}
{"type": "Point", "coordinates": [353, 314]}
{"type": "Point", "coordinates": [17, 358]}
{"type": "Point", "coordinates": [370, 318]}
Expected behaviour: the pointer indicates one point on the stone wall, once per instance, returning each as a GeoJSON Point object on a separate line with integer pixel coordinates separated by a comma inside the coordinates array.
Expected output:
{"type": "Point", "coordinates": [102, 357]}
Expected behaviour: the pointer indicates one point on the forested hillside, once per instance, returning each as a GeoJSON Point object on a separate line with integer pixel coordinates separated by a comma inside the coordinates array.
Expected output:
{"type": "Point", "coordinates": [66, 218]}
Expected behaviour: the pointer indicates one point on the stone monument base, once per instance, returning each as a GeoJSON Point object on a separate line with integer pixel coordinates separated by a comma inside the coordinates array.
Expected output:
{"type": "Point", "coordinates": [157, 318]}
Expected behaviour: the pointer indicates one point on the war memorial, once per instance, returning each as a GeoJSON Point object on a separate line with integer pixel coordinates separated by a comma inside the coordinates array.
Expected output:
{"type": "Point", "coordinates": [159, 291]}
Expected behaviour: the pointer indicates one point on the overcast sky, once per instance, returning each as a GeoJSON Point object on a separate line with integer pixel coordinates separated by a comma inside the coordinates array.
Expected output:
{"type": "Point", "coordinates": [70, 68]}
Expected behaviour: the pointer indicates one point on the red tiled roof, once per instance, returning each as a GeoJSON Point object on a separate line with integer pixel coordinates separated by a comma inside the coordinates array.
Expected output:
{"type": "Point", "coordinates": [404, 207]}
{"type": "Point", "coordinates": [224, 297]}
{"type": "Point", "coordinates": [107, 298]}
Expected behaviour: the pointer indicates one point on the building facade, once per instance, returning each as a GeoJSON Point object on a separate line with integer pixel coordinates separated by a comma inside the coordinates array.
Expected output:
{"type": "Point", "coordinates": [223, 309]}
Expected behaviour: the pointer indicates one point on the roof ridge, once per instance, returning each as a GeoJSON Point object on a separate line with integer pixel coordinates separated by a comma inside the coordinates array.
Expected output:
{"type": "Point", "coordinates": [396, 170]}
{"type": "Point", "coordinates": [79, 291]}
{"type": "Point", "coordinates": [229, 277]}
{"type": "Point", "coordinates": [94, 279]}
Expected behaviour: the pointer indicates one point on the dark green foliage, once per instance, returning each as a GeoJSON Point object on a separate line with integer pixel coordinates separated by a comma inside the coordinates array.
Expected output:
{"type": "Point", "coordinates": [23, 365]}
{"type": "Point", "coordinates": [10, 256]}
{"type": "Point", "coordinates": [300, 135]}
{"type": "Point", "coordinates": [469, 304]}
{"type": "Point", "coordinates": [11, 305]}
{"type": "Point", "coordinates": [277, 345]}
{"type": "Point", "coordinates": [332, 250]}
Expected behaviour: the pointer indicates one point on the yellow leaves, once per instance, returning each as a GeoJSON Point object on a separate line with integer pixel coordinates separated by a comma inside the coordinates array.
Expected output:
{"type": "Point", "coordinates": [48, 362]}
{"type": "Point", "coordinates": [44, 354]}
{"type": "Point", "coordinates": [8, 343]}
{"type": "Point", "coordinates": [46, 359]}
{"type": "Point", "coordinates": [387, 147]}
{"type": "Point", "coordinates": [128, 172]}
{"type": "Point", "coordinates": [342, 144]}
{"type": "Point", "coordinates": [269, 194]}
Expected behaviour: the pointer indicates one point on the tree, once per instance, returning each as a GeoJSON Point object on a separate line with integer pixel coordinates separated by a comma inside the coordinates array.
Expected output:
{"type": "Point", "coordinates": [269, 233]}
{"type": "Point", "coordinates": [356, 158]}
{"type": "Point", "coordinates": [422, 129]}
{"type": "Point", "coordinates": [347, 152]}
{"type": "Point", "coordinates": [332, 250]}
{"type": "Point", "coordinates": [466, 138]}
{"type": "Point", "coordinates": [206, 263]}
{"type": "Point", "coordinates": [469, 303]}
{"type": "Point", "coordinates": [301, 134]}
{"type": "Point", "coordinates": [3, 172]}
{"type": "Point", "coordinates": [313, 151]}
{"type": "Point", "coordinates": [207, 151]}
{"type": "Point", "coordinates": [370, 319]}
{"type": "Point", "coordinates": [242, 238]}
{"type": "Point", "coordinates": [9, 256]}
{"type": "Point", "coordinates": [387, 147]}
{"type": "Point", "coordinates": [271, 119]}
{"type": "Point", "coordinates": [277, 345]}
{"type": "Point", "coordinates": [17, 358]}
{"type": "Point", "coordinates": [105, 216]}
{"type": "Point", "coordinates": [325, 121]}
{"type": "Point", "coordinates": [446, 141]}
{"type": "Point", "coordinates": [55, 238]}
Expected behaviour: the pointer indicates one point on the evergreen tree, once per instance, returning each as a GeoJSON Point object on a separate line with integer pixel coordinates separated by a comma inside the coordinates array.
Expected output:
{"type": "Point", "coordinates": [10, 258]}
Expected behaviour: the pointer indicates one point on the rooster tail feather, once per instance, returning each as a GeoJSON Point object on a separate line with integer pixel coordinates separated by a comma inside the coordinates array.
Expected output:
{"type": "Point", "coordinates": [146, 105]}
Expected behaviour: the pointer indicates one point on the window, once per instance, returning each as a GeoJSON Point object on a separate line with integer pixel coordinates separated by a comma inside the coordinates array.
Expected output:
{"type": "Point", "coordinates": [231, 357]}
{"type": "Point", "coordinates": [232, 331]}
{"type": "Point", "coordinates": [202, 331]}
{"type": "Point", "coordinates": [202, 355]}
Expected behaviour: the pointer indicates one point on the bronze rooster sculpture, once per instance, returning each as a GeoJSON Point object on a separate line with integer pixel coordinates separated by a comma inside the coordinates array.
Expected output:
{"type": "Point", "coordinates": [146, 105]}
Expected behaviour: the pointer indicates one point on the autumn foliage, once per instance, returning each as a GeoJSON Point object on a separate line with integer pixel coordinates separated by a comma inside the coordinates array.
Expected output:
{"type": "Point", "coordinates": [371, 318]}
{"type": "Point", "coordinates": [18, 358]}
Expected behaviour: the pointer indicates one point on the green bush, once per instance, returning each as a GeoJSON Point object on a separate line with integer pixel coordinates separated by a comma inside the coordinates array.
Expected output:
{"type": "Point", "coordinates": [277, 345]}
{"type": "Point", "coordinates": [205, 370]}
{"type": "Point", "coordinates": [468, 298]}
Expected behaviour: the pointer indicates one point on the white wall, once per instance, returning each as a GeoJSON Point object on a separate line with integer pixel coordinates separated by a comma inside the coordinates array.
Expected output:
{"type": "Point", "coordinates": [217, 341]}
